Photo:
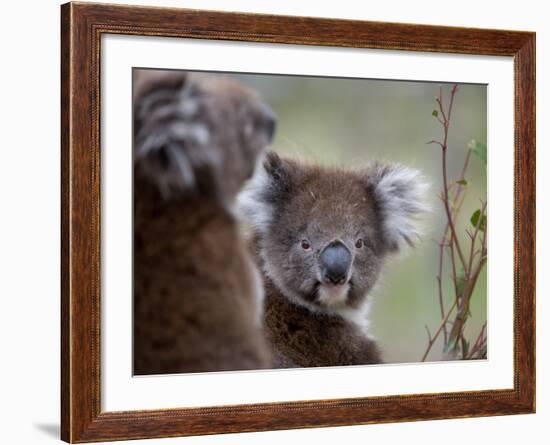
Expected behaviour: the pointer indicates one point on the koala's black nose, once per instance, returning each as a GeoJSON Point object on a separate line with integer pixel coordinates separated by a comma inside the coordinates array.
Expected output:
{"type": "Point", "coordinates": [335, 263]}
{"type": "Point", "coordinates": [269, 121]}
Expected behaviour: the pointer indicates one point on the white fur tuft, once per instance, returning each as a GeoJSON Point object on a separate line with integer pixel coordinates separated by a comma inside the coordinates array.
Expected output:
{"type": "Point", "coordinates": [400, 195]}
{"type": "Point", "coordinates": [258, 291]}
{"type": "Point", "coordinates": [251, 207]}
{"type": "Point", "coordinates": [333, 296]}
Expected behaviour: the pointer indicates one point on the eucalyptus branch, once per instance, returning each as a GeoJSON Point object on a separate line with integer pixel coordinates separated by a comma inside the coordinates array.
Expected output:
{"type": "Point", "coordinates": [464, 308]}
{"type": "Point", "coordinates": [474, 236]}
{"type": "Point", "coordinates": [458, 195]}
{"type": "Point", "coordinates": [453, 269]}
{"type": "Point", "coordinates": [440, 289]}
{"type": "Point", "coordinates": [443, 146]}
{"type": "Point", "coordinates": [480, 343]}
{"type": "Point", "coordinates": [471, 264]}
{"type": "Point", "coordinates": [437, 332]}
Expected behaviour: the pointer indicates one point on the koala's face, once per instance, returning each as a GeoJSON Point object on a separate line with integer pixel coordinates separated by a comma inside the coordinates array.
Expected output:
{"type": "Point", "coordinates": [324, 233]}
{"type": "Point", "coordinates": [325, 246]}
{"type": "Point", "coordinates": [198, 133]}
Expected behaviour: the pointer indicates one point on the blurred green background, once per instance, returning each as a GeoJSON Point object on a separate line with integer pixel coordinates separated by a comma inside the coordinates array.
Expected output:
{"type": "Point", "coordinates": [351, 122]}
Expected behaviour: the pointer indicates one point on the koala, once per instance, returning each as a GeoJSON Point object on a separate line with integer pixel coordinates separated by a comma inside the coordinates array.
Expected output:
{"type": "Point", "coordinates": [321, 236]}
{"type": "Point", "coordinates": [197, 292]}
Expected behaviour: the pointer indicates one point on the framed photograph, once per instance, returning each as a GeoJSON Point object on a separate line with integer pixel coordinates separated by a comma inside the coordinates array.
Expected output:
{"type": "Point", "coordinates": [274, 222]}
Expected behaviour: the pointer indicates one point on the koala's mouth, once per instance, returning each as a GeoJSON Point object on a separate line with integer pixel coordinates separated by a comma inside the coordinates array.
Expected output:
{"type": "Point", "coordinates": [329, 294]}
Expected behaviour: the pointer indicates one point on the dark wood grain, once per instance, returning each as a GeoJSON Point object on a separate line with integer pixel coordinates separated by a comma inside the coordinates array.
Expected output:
{"type": "Point", "coordinates": [65, 227]}
{"type": "Point", "coordinates": [81, 28]}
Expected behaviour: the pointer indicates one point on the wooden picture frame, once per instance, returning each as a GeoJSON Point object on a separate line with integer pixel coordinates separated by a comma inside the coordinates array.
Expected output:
{"type": "Point", "coordinates": [82, 26]}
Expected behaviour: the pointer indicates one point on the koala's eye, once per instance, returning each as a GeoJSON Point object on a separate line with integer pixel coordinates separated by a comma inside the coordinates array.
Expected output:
{"type": "Point", "coordinates": [359, 243]}
{"type": "Point", "coordinates": [305, 244]}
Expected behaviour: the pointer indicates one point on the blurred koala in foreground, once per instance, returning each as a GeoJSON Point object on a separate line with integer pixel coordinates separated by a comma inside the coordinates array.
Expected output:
{"type": "Point", "coordinates": [321, 236]}
{"type": "Point", "coordinates": [198, 298]}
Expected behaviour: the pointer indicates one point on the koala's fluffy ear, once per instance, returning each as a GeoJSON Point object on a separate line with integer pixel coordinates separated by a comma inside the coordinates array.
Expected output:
{"type": "Point", "coordinates": [399, 193]}
{"type": "Point", "coordinates": [271, 182]}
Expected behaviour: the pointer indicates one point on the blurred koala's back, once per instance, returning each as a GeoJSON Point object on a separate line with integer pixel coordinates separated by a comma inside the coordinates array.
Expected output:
{"type": "Point", "coordinates": [197, 294]}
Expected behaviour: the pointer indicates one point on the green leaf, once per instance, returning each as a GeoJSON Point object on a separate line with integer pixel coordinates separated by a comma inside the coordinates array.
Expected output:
{"type": "Point", "coordinates": [435, 113]}
{"type": "Point", "coordinates": [462, 182]}
{"type": "Point", "coordinates": [480, 149]}
{"type": "Point", "coordinates": [475, 219]}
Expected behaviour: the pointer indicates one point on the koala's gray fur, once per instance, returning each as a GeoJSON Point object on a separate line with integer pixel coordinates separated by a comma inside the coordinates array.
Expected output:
{"type": "Point", "coordinates": [296, 211]}
{"type": "Point", "coordinates": [197, 293]}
